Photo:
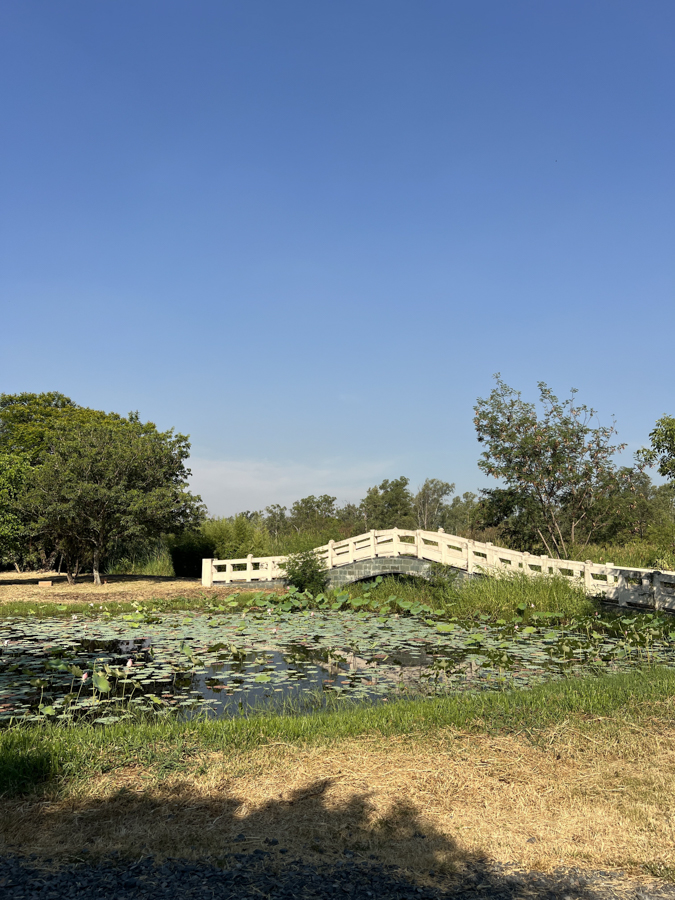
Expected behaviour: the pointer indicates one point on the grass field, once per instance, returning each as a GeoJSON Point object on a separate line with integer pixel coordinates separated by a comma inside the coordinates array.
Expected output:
{"type": "Point", "coordinates": [576, 773]}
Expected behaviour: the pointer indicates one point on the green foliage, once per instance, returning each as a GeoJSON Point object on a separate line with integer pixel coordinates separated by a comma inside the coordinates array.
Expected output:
{"type": "Point", "coordinates": [236, 537]}
{"type": "Point", "coordinates": [13, 471]}
{"type": "Point", "coordinates": [157, 562]}
{"type": "Point", "coordinates": [561, 482]}
{"type": "Point", "coordinates": [27, 421]}
{"type": "Point", "coordinates": [449, 593]}
{"type": "Point", "coordinates": [305, 570]}
{"type": "Point", "coordinates": [662, 450]}
{"type": "Point", "coordinates": [640, 554]}
{"type": "Point", "coordinates": [429, 503]}
{"type": "Point", "coordinates": [390, 505]}
{"type": "Point", "coordinates": [187, 550]}
{"type": "Point", "coordinates": [108, 481]}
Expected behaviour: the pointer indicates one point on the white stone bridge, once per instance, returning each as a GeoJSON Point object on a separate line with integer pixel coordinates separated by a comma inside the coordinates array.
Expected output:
{"type": "Point", "coordinates": [397, 551]}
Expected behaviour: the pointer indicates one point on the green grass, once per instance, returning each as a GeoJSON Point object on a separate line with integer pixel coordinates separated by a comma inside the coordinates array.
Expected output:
{"type": "Point", "coordinates": [157, 563]}
{"type": "Point", "coordinates": [57, 609]}
{"type": "Point", "coordinates": [496, 598]}
{"type": "Point", "coordinates": [640, 554]}
{"type": "Point", "coordinates": [50, 757]}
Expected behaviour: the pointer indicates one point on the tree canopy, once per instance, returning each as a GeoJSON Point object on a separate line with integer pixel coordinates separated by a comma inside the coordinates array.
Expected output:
{"type": "Point", "coordinates": [13, 470]}
{"type": "Point", "coordinates": [81, 482]}
{"type": "Point", "coordinates": [662, 450]}
{"type": "Point", "coordinates": [557, 468]}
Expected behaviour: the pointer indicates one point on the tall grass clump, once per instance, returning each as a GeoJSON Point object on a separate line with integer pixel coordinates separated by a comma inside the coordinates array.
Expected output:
{"type": "Point", "coordinates": [498, 597]}
{"type": "Point", "coordinates": [640, 554]}
{"type": "Point", "coordinates": [156, 563]}
{"type": "Point", "coordinates": [501, 596]}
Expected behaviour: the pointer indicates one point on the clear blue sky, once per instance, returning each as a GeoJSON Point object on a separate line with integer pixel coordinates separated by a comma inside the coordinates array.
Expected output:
{"type": "Point", "coordinates": [308, 233]}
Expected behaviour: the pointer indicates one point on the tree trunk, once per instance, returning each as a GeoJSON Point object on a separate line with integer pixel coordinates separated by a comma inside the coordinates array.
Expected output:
{"type": "Point", "coordinates": [69, 573]}
{"type": "Point", "coordinates": [17, 567]}
{"type": "Point", "coordinates": [95, 567]}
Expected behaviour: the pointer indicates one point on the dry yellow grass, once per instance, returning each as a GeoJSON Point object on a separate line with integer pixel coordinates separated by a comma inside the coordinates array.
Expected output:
{"type": "Point", "coordinates": [24, 587]}
{"type": "Point", "coordinates": [573, 799]}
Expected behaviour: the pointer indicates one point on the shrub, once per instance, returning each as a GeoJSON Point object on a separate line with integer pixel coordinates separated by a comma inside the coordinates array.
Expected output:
{"type": "Point", "coordinates": [305, 570]}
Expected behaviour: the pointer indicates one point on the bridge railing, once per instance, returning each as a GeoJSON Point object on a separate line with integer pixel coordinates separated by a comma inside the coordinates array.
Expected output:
{"type": "Point", "coordinates": [621, 584]}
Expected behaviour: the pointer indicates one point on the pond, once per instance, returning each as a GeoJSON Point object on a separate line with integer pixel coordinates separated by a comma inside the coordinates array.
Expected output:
{"type": "Point", "coordinates": [229, 662]}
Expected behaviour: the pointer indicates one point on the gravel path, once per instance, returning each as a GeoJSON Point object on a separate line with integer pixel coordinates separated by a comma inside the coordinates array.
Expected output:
{"type": "Point", "coordinates": [258, 875]}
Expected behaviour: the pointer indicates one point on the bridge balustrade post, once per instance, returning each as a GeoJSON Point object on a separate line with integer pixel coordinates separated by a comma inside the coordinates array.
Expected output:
{"type": "Point", "coordinates": [419, 543]}
{"type": "Point", "coordinates": [588, 577]}
{"type": "Point", "coordinates": [489, 556]}
{"type": "Point", "coordinates": [396, 543]}
{"type": "Point", "coordinates": [207, 573]}
{"type": "Point", "coordinates": [373, 543]}
{"type": "Point", "coordinates": [249, 566]}
{"type": "Point", "coordinates": [329, 555]}
{"type": "Point", "coordinates": [469, 558]}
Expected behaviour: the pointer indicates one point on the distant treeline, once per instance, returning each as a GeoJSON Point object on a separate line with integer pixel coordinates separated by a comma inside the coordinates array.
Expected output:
{"type": "Point", "coordinates": [643, 512]}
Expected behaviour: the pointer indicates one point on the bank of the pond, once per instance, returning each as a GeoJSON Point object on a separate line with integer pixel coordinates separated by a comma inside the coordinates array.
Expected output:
{"type": "Point", "coordinates": [52, 757]}
{"type": "Point", "coordinates": [446, 594]}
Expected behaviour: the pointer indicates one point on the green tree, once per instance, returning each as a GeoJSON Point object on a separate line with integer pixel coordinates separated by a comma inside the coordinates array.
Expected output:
{"type": "Point", "coordinates": [390, 505]}
{"type": "Point", "coordinates": [460, 515]}
{"type": "Point", "coordinates": [662, 450]}
{"type": "Point", "coordinates": [28, 420]}
{"type": "Point", "coordinates": [305, 570]}
{"type": "Point", "coordinates": [312, 513]}
{"type": "Point", "coordinates": [559, 465]}
{"type": "Point", "coordinates": [109, 481]}
{"type": "Point", "coordinates": [276, 520]}
{"type": "Point", "coordinates": [430, 503]}
{"type": "Point", "coordinates": [13, 471]}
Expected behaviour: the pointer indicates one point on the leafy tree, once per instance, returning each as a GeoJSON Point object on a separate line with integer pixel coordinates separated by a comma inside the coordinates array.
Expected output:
{"type": "Point", "coordinates": [430, 504]}
{"type": "Point", "coordinates": [558, 466]}
{"type": "Point", "coordinates": [27, 421]}
{"type": "Point", "coordinates": [312, 513]}
{"type": "Point", "coordinates": [460, 516]}
{"type": "Point", "coordinates": [105, 481]}
{"type": "Point", "coordinates": [236, 537]}
{"type": "Point", "coordinates": [389, 506]}
{"type": "Point", "coordinates": [276, 521]}
{"type": "Point", "coordinates": [662, 450]}
{"type": "Point", "coordinates": [13, 470]}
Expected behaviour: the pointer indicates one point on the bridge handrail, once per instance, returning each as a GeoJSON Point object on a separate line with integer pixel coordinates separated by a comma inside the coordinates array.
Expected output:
{"type": "Point", "coordinates": [449, 549]}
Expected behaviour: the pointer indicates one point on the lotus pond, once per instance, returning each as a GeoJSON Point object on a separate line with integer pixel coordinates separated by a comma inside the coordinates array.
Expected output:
{"type": "Point", "coordinates": [230, 661]}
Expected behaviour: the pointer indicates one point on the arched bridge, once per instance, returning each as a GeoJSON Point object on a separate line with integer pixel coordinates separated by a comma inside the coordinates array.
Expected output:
{"type": "Point", "coordinates": [398, 551]}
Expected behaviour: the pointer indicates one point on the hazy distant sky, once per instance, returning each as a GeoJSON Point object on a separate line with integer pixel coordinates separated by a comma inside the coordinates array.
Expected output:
{"type": "Point", "coordinates": [308, 233]}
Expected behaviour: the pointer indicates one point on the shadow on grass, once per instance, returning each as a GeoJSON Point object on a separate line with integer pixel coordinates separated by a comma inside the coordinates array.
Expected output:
{"type": "Point", "coordinates": [25, 769]}
{"type": "Point", "coordinates": [318, 841]}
